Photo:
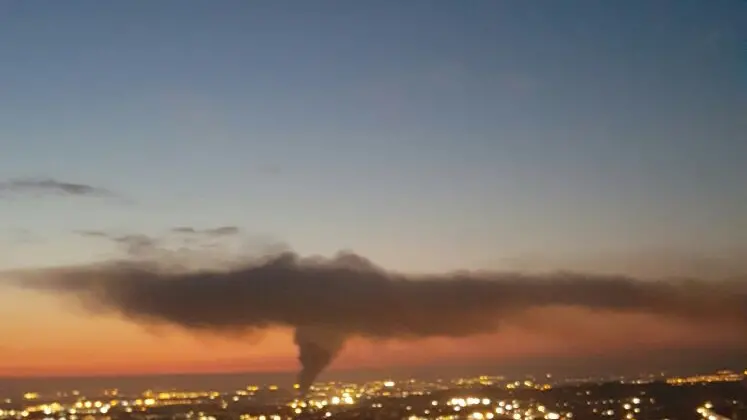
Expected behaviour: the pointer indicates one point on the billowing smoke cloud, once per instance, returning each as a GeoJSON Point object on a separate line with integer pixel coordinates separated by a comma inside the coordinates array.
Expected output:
{"type": "Point", "coordinates": [329, 300]}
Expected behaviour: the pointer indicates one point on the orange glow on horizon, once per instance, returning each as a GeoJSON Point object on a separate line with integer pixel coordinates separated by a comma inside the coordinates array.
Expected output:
{"type": "Point", "coordinates": [55, 340]}
{"type": "Point", "coordinates": [136, 351]}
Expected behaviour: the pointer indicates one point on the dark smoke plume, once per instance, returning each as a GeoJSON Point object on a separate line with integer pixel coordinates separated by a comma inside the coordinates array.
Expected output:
{"type": "Point", "coordinates": [317, 347]}
{"type": "Point", "coordinates": [328, 300]}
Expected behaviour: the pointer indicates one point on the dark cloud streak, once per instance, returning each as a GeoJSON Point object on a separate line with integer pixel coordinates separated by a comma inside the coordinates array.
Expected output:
{"type": "Point", "coordinates": [44, 186]}
{"type": "Point", "coordinates": [218, 231]}
{"type": "Point", "coordinates": [92, 233]}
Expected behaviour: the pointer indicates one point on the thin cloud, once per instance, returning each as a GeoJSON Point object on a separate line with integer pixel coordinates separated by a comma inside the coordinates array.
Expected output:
{"type": "Point", "coordinates": [137, 245]}
{"type": "Point", "coordinates": [20, 236]}
{"type": "Point", "coordinates": [218, 231]}
{"type": "Point", "coordinates": [48, 186]}
{"type": "Point", "coordinates": [92, 233]}
{"type": "Point", "coordinates": [182, 247]}
{"type": "Point", "coordinates": [270, 169]}
{"type": "Point", "coordinates": [134, 245]}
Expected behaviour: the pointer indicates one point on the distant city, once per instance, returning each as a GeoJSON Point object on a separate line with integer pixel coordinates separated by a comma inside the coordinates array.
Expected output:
{"type": "Point", "coordinates": [719, 395]}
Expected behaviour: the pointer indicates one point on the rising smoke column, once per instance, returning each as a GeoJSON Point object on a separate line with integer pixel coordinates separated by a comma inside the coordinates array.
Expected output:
{"type": "Point", "coordinates": [328, 300]}
{"type": "Point", "coordinates": [317, 347]}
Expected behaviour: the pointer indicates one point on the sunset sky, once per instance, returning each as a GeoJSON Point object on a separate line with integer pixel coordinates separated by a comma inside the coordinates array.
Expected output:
{"type": "Point", "coordinates": [424, 135]}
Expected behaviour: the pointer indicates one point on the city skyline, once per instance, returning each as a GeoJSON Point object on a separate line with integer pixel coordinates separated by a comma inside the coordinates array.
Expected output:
{"type": "Point", "coordinates": [427, 136]}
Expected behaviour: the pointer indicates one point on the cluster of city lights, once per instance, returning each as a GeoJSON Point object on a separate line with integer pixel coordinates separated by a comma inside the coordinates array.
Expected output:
{"type": "Point", "coordinates": [485, 408]}
{"type": "Point", "coordinates": [720, 376]}
{"type": "Point", "coordinates": [706, 411]}
{"type": "Point", "coordinates": [299, 406]}
{"type": "Point", "coordinates": [330, 399]}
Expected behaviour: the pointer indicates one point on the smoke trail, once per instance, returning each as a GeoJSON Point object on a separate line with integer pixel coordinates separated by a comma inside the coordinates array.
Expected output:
{"type": "Point", "coordinates": [328, 300]}
{"type": "Point", "coordinates": [317, 347]}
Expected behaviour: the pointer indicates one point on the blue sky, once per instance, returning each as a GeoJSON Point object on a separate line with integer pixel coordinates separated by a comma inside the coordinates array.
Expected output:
{"type": "Point", "coordinates": [424, 134]}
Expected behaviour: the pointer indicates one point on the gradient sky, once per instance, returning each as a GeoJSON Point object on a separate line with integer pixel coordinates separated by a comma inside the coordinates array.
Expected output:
{"type": "Point", "coordinates": [425, 135]}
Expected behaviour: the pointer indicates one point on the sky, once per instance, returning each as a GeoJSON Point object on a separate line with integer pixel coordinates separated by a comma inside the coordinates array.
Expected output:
{"type": "Point", "coordinates": [425, 135]}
